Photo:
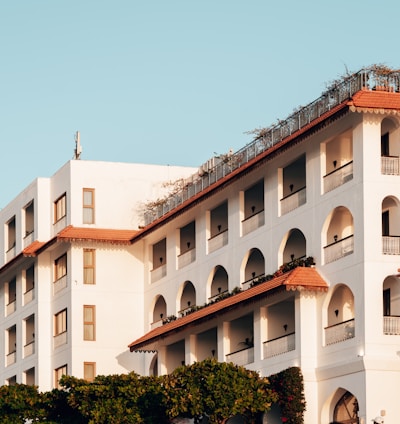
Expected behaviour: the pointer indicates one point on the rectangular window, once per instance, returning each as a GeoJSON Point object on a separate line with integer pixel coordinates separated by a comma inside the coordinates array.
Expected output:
{"type": "Point", "coordinates": [60, 207]}
{"type": "Point", "coordinates": [60, 322]}
{"type": "Point", "coordinates": [89, 371]}
{"type": "Point", "coordinates": [88, 205]}
{"type": "Point", "coordinates": [58, 373]}
{"type": "Point", "coordinates": [60, 267]}
{"type": "Point", "coordinates": [89, 322]}
{"type": "Point", "coordinates": [89, 266]}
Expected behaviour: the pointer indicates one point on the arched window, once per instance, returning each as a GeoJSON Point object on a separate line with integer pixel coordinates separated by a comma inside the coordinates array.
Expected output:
{"type": "Point", "coordinates": [346, 410]}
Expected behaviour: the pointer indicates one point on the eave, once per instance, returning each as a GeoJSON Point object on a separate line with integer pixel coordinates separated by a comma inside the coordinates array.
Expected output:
{"type": "Point", "coordinates": [300, 278]}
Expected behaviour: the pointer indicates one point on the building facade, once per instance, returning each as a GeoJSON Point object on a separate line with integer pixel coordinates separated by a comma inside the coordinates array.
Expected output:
{"type": "Point", "coordinates": [285, 253]}
{"type": "Point", "coordinates": [67, 271]}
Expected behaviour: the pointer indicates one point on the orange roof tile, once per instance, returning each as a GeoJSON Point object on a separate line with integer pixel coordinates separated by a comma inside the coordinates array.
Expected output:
{"type": "Point", "coordinates": [33, 248]}
{"type": "Point", "coordinates": [300, 278]}
{"type": "Point", "coordinates": [371, 99]}
{"type": "Point", "coordinates": [71, 233]}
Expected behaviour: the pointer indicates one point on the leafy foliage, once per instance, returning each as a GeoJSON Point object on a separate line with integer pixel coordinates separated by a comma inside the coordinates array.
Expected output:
{"type": "Point", "coordinates": [288, 384]}
{"type": "Point", "coordinates": [209, 388]}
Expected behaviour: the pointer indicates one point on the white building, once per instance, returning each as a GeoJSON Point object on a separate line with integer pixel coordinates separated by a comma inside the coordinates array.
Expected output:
{"type": "Point", "coordinates": [199, 279]}
{"type": "Point", "coordinates": [324, 183]}
{"type": "Point", "coordinates": [68, 272]}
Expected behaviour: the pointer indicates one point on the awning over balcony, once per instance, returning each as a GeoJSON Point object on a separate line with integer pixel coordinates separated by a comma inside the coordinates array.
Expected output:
{"type": "Point", "coordinates": [300, 278]}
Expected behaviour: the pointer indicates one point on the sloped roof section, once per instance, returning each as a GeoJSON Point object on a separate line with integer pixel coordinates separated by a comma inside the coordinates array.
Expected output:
{"type": "Point", "coordinates": [301, 278]}
{"type": "Point", "coordinates": [71, 233]}
{"type": "Point", "coordinates": [33, 248]}
{"type": "Point", "coordinates": [375, 99]}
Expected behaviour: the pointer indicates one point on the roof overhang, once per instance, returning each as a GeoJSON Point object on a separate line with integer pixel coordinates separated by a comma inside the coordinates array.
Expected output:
{"type": "Point", "coordinates": [300, 278]}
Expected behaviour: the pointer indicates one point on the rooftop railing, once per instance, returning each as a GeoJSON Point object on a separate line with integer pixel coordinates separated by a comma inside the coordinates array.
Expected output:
{"type": "Point", "coordinates": [375, 78]}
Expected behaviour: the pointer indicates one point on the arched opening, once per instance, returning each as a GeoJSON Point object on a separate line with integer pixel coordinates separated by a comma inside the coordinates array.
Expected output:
{"type": "Point", "coordinates": [295, 246]}
{"type": "Point", "coordinates": [391, 305]}
{"type": "Point", "coordinates": [187, 299]}
{"type": "Point", "coordinates": [390, 147]}
{"type": "Point", "coordinates": [339, 234]}
{"type": "Point", "coordinates": [390, 226]}
{"type": "Point", "coordinates": [159, 312]}
{"type": "Point", "coordinates": [219, 283]}
{"type": "Point", "coordinates": [346, 410]}
{"type": "Point", "coordinates": [153, 369]}
{"type": "Point", "coordinates": [254, 268]}
{"type": "Point", "coordinates": [340, 316]}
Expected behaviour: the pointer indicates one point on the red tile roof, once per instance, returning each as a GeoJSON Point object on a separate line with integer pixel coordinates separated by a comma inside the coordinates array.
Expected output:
{"type": "Point", "coordinates": [298, 279]}
{"type": "Point", "coordinates": [33, 248]}
{"type": "Point", "coordinates": [368, 99]}
{"type": "Point", "coordinates": [71, 233]}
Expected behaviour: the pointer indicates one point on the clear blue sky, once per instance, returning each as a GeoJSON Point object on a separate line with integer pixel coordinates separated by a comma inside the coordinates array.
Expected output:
{"type": "Point", "coordinates": [168, 82]}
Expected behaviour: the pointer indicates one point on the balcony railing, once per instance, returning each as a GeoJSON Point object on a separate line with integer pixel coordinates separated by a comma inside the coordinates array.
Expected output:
{"type": "Point", "coordinates": [186, 258]}
{"type": "Point", "coordinates": [60, 284]}
{"type": "Point", "coordinates": [158, 273]}
{"type": "Point", "coordinates": [59, 225]}
{"type": "Point", "coordinates": [366, 79]}
{"type": "Point", "coordinates": [187, 310]}
{"type": "Point", "coordinates": [29, 296]}
{"type": "Point", "coordinates": [156, 324]}
{"type": "Point", "coordinates": [29, 238]}
{"type": "Point", "coordinates": [11, 307]}
{"type": "Point", "coordinates": [218, 241]}
{"type": "Point", "coordinates": [391, 245]}
{"type": "Point", "coordinates": [60, 339]}
{"type": "Point", "coordinates": [253, 222]}
{"type": "Point", "coordinates": [216, 296]}
{"type": "Point", "coordinates": [390, 165]}
{"type": "Point", "coordinates": [339, 249]}
{"type": "Point", "coordinates": [391, 324]}
{"type": "Point", "coordinates": [293, 200]}
{"type": "Point", "coordinates": [29, 349]}
{"type": "Point", "coordinates": [241, 357]}
{"type": "Point", "coordinates": [338, 177]}
{"type": "Point", "coordinates": [249, 283]}
{"type": "Point", "coordinates": [10, 253]}
{"type": "Point", "coordinates": [11, 358]}
{"type": "Point", "coordinates": [279, 345]}
{"type": "Point", "coordinates": [339, 332]}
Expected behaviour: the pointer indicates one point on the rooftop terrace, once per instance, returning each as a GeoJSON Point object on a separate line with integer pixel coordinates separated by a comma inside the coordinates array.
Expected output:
{"type": "Point", "coordinates": [376, 78]}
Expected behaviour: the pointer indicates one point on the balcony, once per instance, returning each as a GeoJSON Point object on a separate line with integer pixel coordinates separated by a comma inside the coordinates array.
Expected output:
{"type": "Point", "coordinates": [218, 241]}
{"type": "Point", "coordinates": [60, 339]}
{"type": "Point", "coordinates": [11, 307]}
{"type": "Point", "coordinates": [156, 324]}
{"type": "Point", "coordinates": [390, 165]}
{"type": "Point", "coordinates": [391, 325]}
{"type": "Point", "coordinates": [241, 357]}
{"type": "Point", "coordinates": [253, 222]}
{"type": "Point", "coordinates": [391, 245]}
{"type": "Point", "coordinates": [10, 253]}
{"type": "Point", "coordinates": [186, 258]}
{"type": "Point", "coordinates": [59, 225]}
{"type": "Point", "coordinates": [60, 284]}
{"type": "Point", "coordinates": [339, 249]}
{"type": "Point", "coordinates": [158, 273]}
{"type": "Point", "coordinates": [252, 281]}
{"type": "Point", "coordinates": [279, 345]}
{"type": "Point", "coordinates": [29, 296]}
{"type": "Point", "coordinates": [29, 238]}
{"type": "Point", "coordinates": [293, 201]}
{"type": "Point", "coordinates": [29, 349]}
{"type": "Point", "coordinates": [11, 358]}
{"type": "Point", "coordinates": [339, 332]}
{"type": "Point", "coordinates": [338, 177]}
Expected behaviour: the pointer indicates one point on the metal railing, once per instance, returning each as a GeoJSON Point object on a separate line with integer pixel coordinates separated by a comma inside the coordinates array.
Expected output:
{"type": "Point", "coordinates": [339, 249]}
{"type": "Point", "coordinates": [391, 325]}
{"type": "Point", "coordinates": [368, 79]}
{"type": "Point", "coordinates": [339, 332]}
{"type": "Point", "coordinates": [253, 222]}
{"type": "Point", "coordinates": [338, 177]}
{"type": "Point", "coordinates": [293, 200]}
{"type": "Point", "coordinates": [241, 357]}
{"type": "Point", "coordinates": [390, 165]}
{"type": "Point", "coordinates": [391, 245]}
{"type": "Point", "coordinates": [279, 345]}
{"type": "Point", "coordinates": [187, 258]}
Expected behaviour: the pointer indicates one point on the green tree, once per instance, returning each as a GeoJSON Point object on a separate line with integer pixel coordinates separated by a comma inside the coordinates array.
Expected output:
{"type": "Point", "coordinates": [20, 402]}
{"type": "Point", "coordinates": [218, 390]}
